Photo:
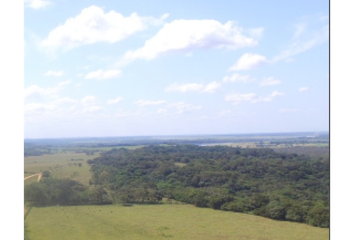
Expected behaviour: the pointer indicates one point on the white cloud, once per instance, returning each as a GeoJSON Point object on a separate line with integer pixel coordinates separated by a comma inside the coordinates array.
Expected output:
{"type": "Point", "coordinates": [237, 78]}
{"type": "Point", "coordinates": [189, 87]}
{"type": "Point", "coordinates": [140, 113]}
{"type": "Point", "coordinates": [91, 109]}
{"type": "Point", "coordinates": [161, 111]}
{"type": "Point", "coordinates": [35, 90]}
{"type": "Point", "coordinates": [256, 32]}
{"type": "Point", "coordinates": [303, 89]}
{"type": "Point", "coordinates": [225, 112]}
{"type": "Point", "coordinates": [37, 4]}
{"type": "Point", "coordinates": [211, 87]}
{"type": "Point", "coordinates": [54, 73]}
{"type": "Point", "coordinates": [88, 100]}
{"type": "Point", "coordinates": [285, 110]}
{"type": "Point", "coordinates": [270, 97]}
{"type": "Point", "coordinates": [183, 107]}
{"type": "Point", "coordinates": [251, 97]}
{"type": "Point", "coordinates": [299, 29]}
{"type": "Point", "coordinates": [238, 98]}
{"type": "Point", "coordinates": [193, 87]}
{"type": "Point", "coordinates": [308, 33]}
{"type": "Point", "coordinates": [187, 35]}
{"type": "Point", "coordinates": [38, 108]}
{"type": "Point", "coordinates": [90, 105]}
{"type": "Point", "coordinates": [270, 81]}
{"type": "Point", "coordinates": [156, 21]}
{"type": "Point", "coordinates": [101, 75]}
{"type": "Point", "coordinates": [116, 100]}
{"type": "Point", "coordinates": [248, 61]}
{"type": "Point", "coordinates": [64, 100]}
{"type": "Point", "coordinates": [143, 103]}
{"type": "Point", "coordinates": [94, 25]}
{"type": "Point", "coordinates": [61, 84]}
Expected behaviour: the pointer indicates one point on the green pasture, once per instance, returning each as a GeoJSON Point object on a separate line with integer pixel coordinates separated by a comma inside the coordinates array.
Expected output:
{"type": "Point", "coordinates": [163, 221]}
{"type": "Point", "coordinates": [61, 165]}
{"type": "Point", "coordinates": [74, 171]}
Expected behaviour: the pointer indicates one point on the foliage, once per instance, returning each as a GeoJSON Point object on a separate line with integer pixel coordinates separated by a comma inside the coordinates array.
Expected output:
{"type": "Point", "coordinates": [51, 192]}
{"type": "Point", "coordinates": [277, 185]}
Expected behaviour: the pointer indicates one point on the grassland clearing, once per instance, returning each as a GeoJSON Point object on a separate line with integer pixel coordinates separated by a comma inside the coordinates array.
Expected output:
{"type": "Point", "coordinates": [161, 221]}
{"type": "Point", "coordinates": [61, 165]}
{"type": "Point", "coordinates": [179, 164]}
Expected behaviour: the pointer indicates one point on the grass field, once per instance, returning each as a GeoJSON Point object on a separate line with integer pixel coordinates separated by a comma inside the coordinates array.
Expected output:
{"type": "Point", "coordinates": [166, 221]}
{"type": "Point", "coordinates": [61, 165]}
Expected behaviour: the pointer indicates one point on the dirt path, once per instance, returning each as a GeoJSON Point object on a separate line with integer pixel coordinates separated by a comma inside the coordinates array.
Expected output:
{"type": "Point", "coordinates": [31, 176]}
{"type": "Point", "coordinates": [39, 177]}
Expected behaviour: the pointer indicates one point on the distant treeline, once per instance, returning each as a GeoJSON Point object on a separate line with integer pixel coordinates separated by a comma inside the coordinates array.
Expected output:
{"type": "Point", "coordinates": [172, 140]}
{"type": "Point", "coordinates": [314, 153]}
{"type": "Point", "coordinates": [36, 151]}
{"type": "Point", "coordinates": [277, 185]}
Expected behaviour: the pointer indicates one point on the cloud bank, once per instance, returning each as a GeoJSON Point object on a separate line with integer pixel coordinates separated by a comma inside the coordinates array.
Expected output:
{"type": "Point", "coordinates": [187, 35]}
{"type": "Point", "coordinates": [93, 25]}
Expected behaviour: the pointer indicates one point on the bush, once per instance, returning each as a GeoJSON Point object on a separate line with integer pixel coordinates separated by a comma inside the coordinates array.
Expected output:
{"type": "Point", "coordinates": [50, 192]}
{"type": "Point", "coordinates": [46, 173]}
{"type": "Point", "coordinates": [318, 216]}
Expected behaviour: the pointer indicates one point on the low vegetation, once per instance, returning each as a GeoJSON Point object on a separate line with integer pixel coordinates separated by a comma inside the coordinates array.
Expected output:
{"type": "Point", "coordinates": [160, 221]}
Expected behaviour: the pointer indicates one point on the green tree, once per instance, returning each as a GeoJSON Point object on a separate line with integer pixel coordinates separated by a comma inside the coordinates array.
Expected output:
{"type": "Point", "coordinates": [46, 173]}
{"type": "Point", "coordinates": [318, 216]}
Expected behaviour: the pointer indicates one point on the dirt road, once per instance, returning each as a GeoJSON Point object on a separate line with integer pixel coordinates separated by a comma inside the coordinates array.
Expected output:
{"type": "Point", "coordinates": [37, 174]}
{"type": "Point", "coordinates": [39, 178]}
{"type": "Point", "coordinates": [31, 176]}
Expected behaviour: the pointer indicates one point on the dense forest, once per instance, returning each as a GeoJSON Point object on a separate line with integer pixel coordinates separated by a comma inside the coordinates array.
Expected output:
{"type": "Point", "coordinates": [289, 184]}
{"type": "Point", "coordinates": [277, 185]}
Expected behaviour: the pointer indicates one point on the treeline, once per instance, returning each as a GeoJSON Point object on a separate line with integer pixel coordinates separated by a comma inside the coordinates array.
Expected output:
{"type": "Point", "coordinates": [51, 192]}
{"type": "Point", "coordinates": [276, 185]}
{"type": "Point", "coordinates": [315, 153]}
{"type": "Point", "coordinates": [36, 151]}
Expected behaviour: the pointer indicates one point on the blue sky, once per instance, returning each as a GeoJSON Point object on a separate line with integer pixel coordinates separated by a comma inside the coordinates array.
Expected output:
{"type": "Point", "coordinates": [126, 68]}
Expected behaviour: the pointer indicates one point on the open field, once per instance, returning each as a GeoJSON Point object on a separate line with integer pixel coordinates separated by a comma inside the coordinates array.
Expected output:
{"type": "Point", "coordinates": [61, 165]}
{"type": "Point", "coordinates": [166, 221]}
